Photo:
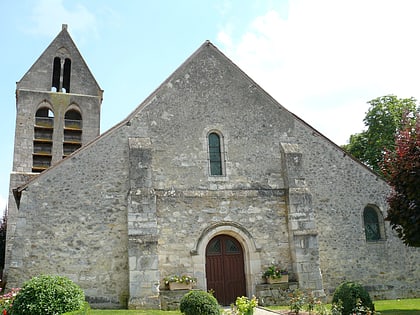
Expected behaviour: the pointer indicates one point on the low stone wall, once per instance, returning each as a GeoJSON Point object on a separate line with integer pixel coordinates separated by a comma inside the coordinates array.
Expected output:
{"type": "Point", "coordinates": [274, 294]}
{"type": "Point", "coordinates": [267, 294]}
{"type": "Point", "coordinates": [169, 300]}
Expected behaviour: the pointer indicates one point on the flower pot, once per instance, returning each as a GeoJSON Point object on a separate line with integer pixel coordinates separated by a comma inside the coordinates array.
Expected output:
{"type": "Point", "coordinates": [180, 286]}
{"type": "Point", "coordinates": [283, 279]}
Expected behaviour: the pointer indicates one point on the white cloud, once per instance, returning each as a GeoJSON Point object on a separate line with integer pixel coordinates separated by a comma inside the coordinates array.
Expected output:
{"type": "Point", "coordinates": [47, 15]}
{"type": "Point", "coordinates": [328, 58]}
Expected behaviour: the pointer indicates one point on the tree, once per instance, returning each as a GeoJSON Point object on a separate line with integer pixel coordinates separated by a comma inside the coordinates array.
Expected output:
{"type": "Point", "coordinates": [383, 120]}
{"type": "Point", "coordinates": [3, 230]}
{"type": "Point", "coordinates": [401, 168]}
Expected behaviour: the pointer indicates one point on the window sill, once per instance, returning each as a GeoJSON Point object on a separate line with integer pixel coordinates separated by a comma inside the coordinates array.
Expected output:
{"type": "Point", "coordinates": [217, 178]}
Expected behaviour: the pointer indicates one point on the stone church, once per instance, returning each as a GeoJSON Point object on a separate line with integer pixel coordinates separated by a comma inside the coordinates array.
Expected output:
{"type": "Point", "coordinates": [209, 176]}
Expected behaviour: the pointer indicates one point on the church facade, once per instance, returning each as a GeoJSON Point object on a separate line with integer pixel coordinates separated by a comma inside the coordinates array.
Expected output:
{"type": "Point", "coordinates": [209, 177]}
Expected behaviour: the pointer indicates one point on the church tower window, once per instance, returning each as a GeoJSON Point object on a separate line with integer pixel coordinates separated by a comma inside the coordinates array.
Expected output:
{"type": "Point", "coordinates": [43, 139]}
{"type": "Point", "coordinates": [66, 75]}
{"type": "Point", "coordinates": [215, 154]}
{"type": "Point", "coordinates": [373, 222]}
{"type": "Point", "coordinates": [73, 124]}
{"type": "Point", "coordinates": [55, 87]}
{"type": "Point", "coordinates": [61, 75]}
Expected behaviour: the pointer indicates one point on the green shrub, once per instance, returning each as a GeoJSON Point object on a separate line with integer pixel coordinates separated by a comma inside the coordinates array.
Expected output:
{"type": "Point", "coordinates": [48, 295]}
{"type": "Point", "coordinates": [84, 311]}
{"type": "Point", "coordinates": [199, 303]}
{"type": "Point", "coordinates": [244, 306]}
{"type": "Point", "coordinates": [350, 294]}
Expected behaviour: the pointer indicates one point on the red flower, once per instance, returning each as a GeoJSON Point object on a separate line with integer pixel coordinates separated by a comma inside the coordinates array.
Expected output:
{"type": "Point", "coordinates": [4, 312]}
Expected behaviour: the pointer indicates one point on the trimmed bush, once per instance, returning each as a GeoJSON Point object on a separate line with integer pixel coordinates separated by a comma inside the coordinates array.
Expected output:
{"type": "Point", "coordinates": [350, 294]}
{"type": "Point", "coordinates": [48, 295]}
{"type": "Point", "coordinates": [198, 302]}
{"type": "Point", "coordinates": [84, 311]}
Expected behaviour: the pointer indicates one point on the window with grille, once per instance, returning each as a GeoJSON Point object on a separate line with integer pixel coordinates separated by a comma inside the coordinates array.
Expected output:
{"type": "Point", "coordinates": [215, 154]}
{"type": "Point", "coordinates": [73, 125]}
{"type": "Point", "coordinates": [43, 139]}
{"type": "Point", "coordinates": [373, 222]}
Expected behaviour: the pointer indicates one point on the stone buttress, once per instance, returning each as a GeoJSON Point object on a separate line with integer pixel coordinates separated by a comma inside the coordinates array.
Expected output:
{"type": "Point", "coordinates": [303, 236]}
{"type": "Point", "coordinates": [142, 228]}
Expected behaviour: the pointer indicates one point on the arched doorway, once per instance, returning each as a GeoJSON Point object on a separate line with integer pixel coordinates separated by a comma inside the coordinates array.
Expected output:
{"type": "Point", "coordinates": [225, 269]}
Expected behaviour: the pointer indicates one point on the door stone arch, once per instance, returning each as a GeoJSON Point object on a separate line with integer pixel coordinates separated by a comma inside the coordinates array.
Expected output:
{"type": "Point", "coordinates": [251, 253]}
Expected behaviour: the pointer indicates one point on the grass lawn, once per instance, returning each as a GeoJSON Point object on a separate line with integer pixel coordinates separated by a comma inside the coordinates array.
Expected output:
{"type": "Point", "coordinates": [398, 307]}
{"type": "Point", "coordinates": [125, 312]}
{"type": "Point", "coordinates": [386, 307]}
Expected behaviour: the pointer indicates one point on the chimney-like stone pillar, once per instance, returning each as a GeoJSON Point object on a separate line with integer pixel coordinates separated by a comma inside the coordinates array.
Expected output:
{"type": "Point", "coordinates": [142, 229]}
{"type": "Point", "coordinates": [303, 235]}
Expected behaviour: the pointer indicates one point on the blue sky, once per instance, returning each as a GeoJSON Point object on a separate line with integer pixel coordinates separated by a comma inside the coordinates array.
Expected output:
{"type": "Point", "coordinates": [323, 60]}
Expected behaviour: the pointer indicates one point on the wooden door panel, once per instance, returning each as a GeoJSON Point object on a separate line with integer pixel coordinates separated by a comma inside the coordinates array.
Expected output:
{"type": "Point", "coordinates": [225, 269]}
{"type": "Point", "coordinates": [235, 281]}
{"type": "Point", "coordinates": [214, 267]}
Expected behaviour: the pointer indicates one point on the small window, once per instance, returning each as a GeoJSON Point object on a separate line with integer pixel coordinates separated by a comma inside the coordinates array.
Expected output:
{"type": "Point", "coordinates": [66, 75]}
{"type": "Point", "coordinates": [373, 222]}
{"type": "Point", "coordinates": [215, 154]}
{"type": "Point", "coordinates": [73, 119]}
{"type": "Point", "coordinates": [231, 247]}
{"type": "Point", "coordinates": [43, 139]}
{"type": "Point", "coordinates": [55, 86]}
{"type": "Point", "coordinates": [61, 75]}
{"type": "Point", "coordinates": [73, 124]}
{"type": "Point", "coordinates": [214, 247]}
{"type": "Point", "coordinates": [44, 117]}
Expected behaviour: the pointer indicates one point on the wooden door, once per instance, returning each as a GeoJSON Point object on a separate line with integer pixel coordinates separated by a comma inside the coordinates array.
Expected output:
{"type": "Point", "coordinates": [225, 269]}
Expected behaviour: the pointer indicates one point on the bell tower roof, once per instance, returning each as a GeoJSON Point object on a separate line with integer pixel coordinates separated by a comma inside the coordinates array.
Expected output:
{"type": "Point", "coordinates": [60, 68]}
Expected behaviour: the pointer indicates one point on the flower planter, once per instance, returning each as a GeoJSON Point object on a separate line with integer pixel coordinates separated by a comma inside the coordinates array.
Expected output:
{"type": "Point", "coordinates": [180, 286]}
{"type": "Point", "coordinates": [283, 279]}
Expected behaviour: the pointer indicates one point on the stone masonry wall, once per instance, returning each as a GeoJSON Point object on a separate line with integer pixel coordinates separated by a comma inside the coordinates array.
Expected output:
{"type": "Point", "coordinates": [184, 215]}
{"type": "Point", "coordinates": [142, 228]}
{"type": "Point", "coordinates": [341, 189]}
{"type": "Point", "coordinates": [72, 221]}
{"type": "Point", "coordinates": [29, 102]}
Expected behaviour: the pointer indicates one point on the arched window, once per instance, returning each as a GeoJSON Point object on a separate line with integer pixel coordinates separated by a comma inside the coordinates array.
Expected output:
{"type": "Point", "coordinates": [66, 75]}
{"type": "Point", "coordinates": [61, 75]}
{"type": "Point", "coordinates": [55, 86]}
{"type": "Point", "coordinates": [73, 124]}
{"type": "Point", "coordinates": [73, 118]}
{"type": "Point", "coordinates": [43, 139]}
{"type": "Point", "coordinates": [215, 154]}
{"type": "Point", "coordinates": [373, 222]}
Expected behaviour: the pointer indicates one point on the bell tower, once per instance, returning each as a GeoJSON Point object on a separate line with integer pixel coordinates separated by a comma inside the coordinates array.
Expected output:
{"type": "Point", "coordinates": [58, 103]}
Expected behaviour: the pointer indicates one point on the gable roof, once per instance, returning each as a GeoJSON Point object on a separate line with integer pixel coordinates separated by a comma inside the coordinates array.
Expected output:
{"type": "Point", "coordinates": [39, 75]}
{"type": "Point", "coordinates": [205, 46]}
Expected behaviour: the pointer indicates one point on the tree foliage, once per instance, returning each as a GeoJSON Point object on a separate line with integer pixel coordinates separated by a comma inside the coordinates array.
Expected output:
{"type": "Point", "coordinates": [199, 302]}
{"type": "Point", "coordinates": [401, 167]}
{"type": "Point", "coordinates": [350, 293]}
{"type": "Point", "coordinates": [3, 231]}
{"type": "Point", "coordinates": [383, 120]}
{"type": "Point", "coordinates": [48, 295]}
